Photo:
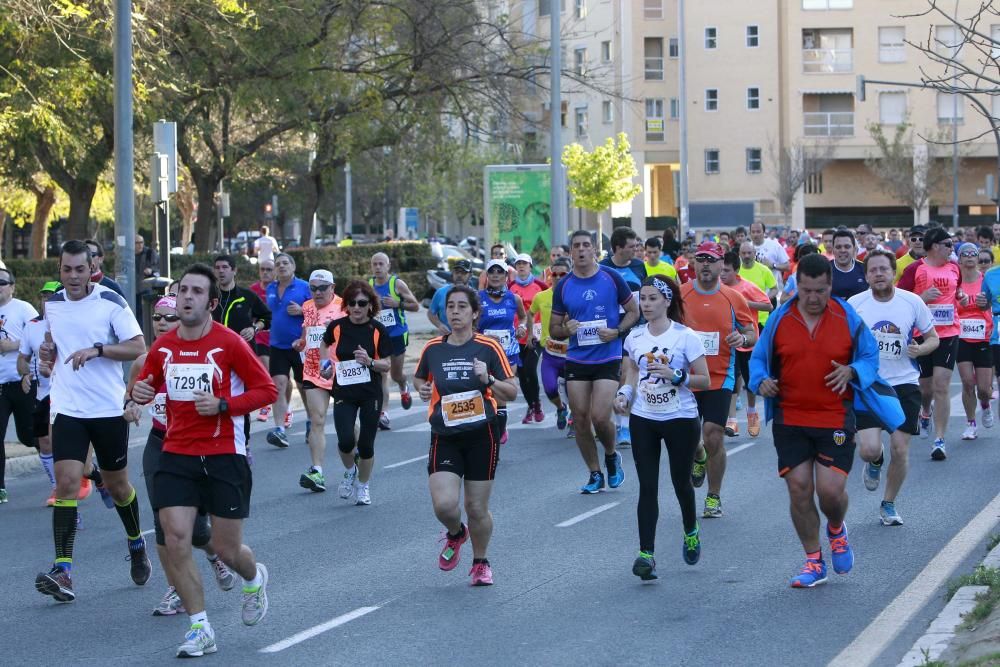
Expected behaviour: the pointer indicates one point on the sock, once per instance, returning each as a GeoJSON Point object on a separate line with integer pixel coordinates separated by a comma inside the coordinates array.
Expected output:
{"type": "Point", "coordinates": [47, 464]}
{"type": "Point", "coordinates": [478, 561]}
{"type": "Point", "coordinates": [353, 470]}
{"type": "Point", "coordinates": [252, 585]}
{"type": "Point", "coordinates": [972, 422]}
{"type": "Point", "coordinates": [834, 531]}
{"type": "Point", "coordinates": [985, 405]}
{"type": "Point", "coordinates": [621, 421]}
{"type": "Point", "coordinates": [128, 512]}
{"type": "Point", "coordinates": [814, 555]}
{"type": "Point", "coordinates": [879, 461]}
{"type": "Point", "coordinates": [714, 495]}
{"type": "Point", "coordinates": [318, 469]}
{"type": "Point", "coordinates": [751, 410]}
{"type": "Point", "coordinates": [201, 618]}
{"type": "Point", "coordinates": [95, 476]}
{"type": "Point", "coordinates": [212, 558]}
{"type": "Point", "coordinates": [502, 420]}
{"type": "Point", "coordinates": [64, 515]}
{"type": "Point", "coordinates": [458, 534]}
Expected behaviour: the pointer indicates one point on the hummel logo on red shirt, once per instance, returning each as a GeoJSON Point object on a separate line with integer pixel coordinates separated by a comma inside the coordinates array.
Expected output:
{"type": "Point", "coordinates": [189, 354]}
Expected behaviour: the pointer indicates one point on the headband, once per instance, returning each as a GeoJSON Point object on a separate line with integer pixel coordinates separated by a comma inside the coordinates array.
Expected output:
{"type": "Point", "coordinates": [167, 302]}
{"type": "Point", "coordinates": [664, 289]}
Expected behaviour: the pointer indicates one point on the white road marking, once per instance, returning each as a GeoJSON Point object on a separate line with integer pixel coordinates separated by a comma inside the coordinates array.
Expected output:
{"type": "Point", "coordinates": [874, 639]}
{"type": "Point", "coordinates": [300, 637]}
{"type": "Point", "coordinates": [147, 532]}
{"type": "Point", "coordinates": [403, 463]}
{"type": "Point", "coordinates": [586, 515]}
{"type": "Point", "coordinates": [737, 450]}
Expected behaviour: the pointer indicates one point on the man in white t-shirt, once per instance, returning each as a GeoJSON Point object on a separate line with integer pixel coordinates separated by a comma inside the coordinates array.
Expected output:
{"type": "Point", "coordinates": [14, 400]}
{"type": "Point", "coordinates": [91, 331]}
{"type": "Point", "coordinates": [266, 246]}
{"type": "Point", "coordinates": [769, 252]}
{"type": "Point", "coordinates": [893, 315]}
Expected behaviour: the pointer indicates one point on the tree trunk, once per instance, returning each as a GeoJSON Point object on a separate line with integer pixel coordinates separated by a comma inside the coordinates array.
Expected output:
{"type": "Point", "coordinates": [81, 197]}
{"type": "Point", "coordinates": [206, 233]}
{"type": "Point", "coordinates": [45, 199]}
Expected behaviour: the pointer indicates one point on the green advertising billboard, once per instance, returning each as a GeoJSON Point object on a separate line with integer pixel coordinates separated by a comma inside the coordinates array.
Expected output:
{"type": "Point", "coordinates": [517, 208]}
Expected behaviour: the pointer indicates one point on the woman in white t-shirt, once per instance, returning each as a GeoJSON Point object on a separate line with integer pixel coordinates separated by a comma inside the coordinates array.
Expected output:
{"type": "Point", "coordinates": [661, 364]}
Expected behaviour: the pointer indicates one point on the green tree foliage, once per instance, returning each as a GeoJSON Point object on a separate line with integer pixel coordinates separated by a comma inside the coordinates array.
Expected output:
{"type": "Point", "coordinates": [603, 176]}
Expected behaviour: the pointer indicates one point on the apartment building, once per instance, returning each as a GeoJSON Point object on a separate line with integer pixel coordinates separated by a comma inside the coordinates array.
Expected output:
{"type": "Point", "coordinates": [765, 78]}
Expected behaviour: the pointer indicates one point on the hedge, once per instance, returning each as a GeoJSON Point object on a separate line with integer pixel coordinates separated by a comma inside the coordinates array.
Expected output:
{"type": "Point", "coordinates": [409, 260]}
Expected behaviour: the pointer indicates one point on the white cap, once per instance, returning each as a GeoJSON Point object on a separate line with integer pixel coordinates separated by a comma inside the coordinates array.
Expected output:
{"type": "Point", "coordinates": [321, 275]}
{"type": "Point", "coordinates": [496, 262]}
{"type": "Point", "coordinates": [523, 257]}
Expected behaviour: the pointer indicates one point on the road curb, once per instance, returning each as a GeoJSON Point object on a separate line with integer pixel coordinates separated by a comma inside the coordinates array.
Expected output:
{"type": "Point", "coordinates": [19, 466]}
{"type": "Point", "coordinates": [941, 632]}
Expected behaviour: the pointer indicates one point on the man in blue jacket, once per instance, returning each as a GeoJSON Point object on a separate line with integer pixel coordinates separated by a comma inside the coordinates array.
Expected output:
{"type": "Point", "coordinates": [815, 364]}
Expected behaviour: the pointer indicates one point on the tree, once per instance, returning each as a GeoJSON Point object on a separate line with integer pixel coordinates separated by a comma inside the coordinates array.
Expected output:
{"type": "Point", "coordinates": [793, 166]}
{"type": "Point", "coordinates": [601, 177]}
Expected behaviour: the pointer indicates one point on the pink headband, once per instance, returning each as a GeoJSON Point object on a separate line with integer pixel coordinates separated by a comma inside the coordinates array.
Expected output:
{"type": "Point", "coordinates": [167, 302]}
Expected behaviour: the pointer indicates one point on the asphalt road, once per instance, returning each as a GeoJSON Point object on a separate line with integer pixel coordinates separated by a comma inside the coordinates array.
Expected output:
{"type": "Point", "coordinates": [563, 595]}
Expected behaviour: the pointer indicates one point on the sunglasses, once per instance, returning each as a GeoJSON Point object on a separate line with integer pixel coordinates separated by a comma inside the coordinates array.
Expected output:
{"type": "Point", "coordinates": [557, 276]}
{"type": "Point", "coordinates": [4, 283]}
{"type": "Point", "coordinates": [706, 259]}
{"type": "Point", "coordinates": [497, 269]}
{"type": "Point", "coordinates": [319, 288]}
{"type": "Point", "coordinates": [915, 239]}
{"type": "Point", "coordinates": [358, 303]}
{"type": "Point", "coordinates": [947, 244]}
{"type": "Point", "coordinates": [168, 318]}
{"type": "Point", "coordinates": [969, 254]}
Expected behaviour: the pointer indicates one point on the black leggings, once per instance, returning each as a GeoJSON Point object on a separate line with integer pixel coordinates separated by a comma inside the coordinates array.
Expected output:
{"type": "Point", "coordinates": [150, 463]}
{"type": "Point", "coordinates": [13, 401]}
{"type": "Point", "coordinates": [345, 412]}
{"type": "Point", "coordinates": [681, 437]}
{"type": "Point", "coordinates": [527, 373]}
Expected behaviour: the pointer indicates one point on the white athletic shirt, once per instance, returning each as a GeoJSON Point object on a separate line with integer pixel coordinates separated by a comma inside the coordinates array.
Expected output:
{"type": "Point", "coordinates": [98, 388]}
{"type": "Point", "coordinates": [893, 322]}
{"type": "Point", "coordinates": [34, 336]}
{"type": "Point", "coordinates": [772, 250]}
{"type": "Point", "coordinates": [13, 318]}
{"type": "Point", "coordinates": [657, 398]}
{"type": "Point", "coordinates": [266, 246]}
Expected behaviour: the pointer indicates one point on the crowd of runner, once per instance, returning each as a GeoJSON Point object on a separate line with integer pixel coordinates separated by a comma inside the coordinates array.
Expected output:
{"type": "Point", "coordinates": [830, 339]}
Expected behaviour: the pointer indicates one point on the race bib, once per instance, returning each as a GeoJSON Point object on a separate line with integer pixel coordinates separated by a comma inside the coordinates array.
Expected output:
{"type": "Point", "coordinates": [185, 379]}
{"type": "Point", "coordinates": [943, 314]}
{"type": "Point", "coordinates": [466, 407]}
{"type": "Point", "coordinates": [314, 336]}
{"type": "Point", "coordinates": [351, 372]}
{"type": "Point", "coordinates": [891, 346]}
{"type": "Point", "coordinates": [661, 398]}
{"type": "Point", "coordinates": [158, 408]}
{"type": "Point", "coordinates": [586, 334]}
{"type": "Point", "coordinates": [502, 336]}
{"type": "Point", "coordinates": [387, 316]}
{"type": "Point", "coordinates": [710, 341]}
{"type": "Point", "coordinates": [973, 329]}
{"type": "Point", "coordinates": [557, 348]}
{"type": "Point", "coordinates": [536, 331]}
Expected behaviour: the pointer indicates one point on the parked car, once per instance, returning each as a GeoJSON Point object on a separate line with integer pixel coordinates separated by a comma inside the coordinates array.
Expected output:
{"type": "Point", "coordinates": [443, 252]}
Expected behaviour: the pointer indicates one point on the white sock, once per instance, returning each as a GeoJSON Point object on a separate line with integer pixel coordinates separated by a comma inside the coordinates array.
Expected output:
{"type": "Point", "coordinates": [751, 409]}
{"type": "Point", "coordinates": [254, 583]}
{"type": "Point", "coordinates": [47, 464]}
{"type": "Point", "coordinates": [201, 618]}
{"type": "Point", "coordinates": [318, 469]}
{"type": "Point", "coordinates": [622, 420]}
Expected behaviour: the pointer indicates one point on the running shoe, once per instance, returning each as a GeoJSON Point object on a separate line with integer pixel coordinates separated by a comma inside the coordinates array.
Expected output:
{"type": "Point", "coordinates": [698, 470]}
{"type": "Point", "coordinates": [987, 417]}
{"type": "Point", "coordinates": [623, 437]}
{"type": "Point", "coordinates": [346, 488]}
{"type": "Point", "coordinates": [4, 497]}
{"type": "Point", "coordinates": [753, 424]}
{"type": "Point", "coordinates": [713, 508]}
{"type": "Point", "coordinates": [288, 419]}
{"type": "Point", "coordinates": [644, 566]}
{"type": "Point", "coordinates": [503, 438]}
{"type": "Point", "coordinates": [888, 515]}
{"type": "Point", "coordinates": [383, 422]}
{"type": "Point", "coordinates": [140, 568]}
{"type": "Point", "coordinates": [841, 554]}
{"type": "Point", "coordinates": [86, 488]}
{"type": "Point", "coordinates": [937, 451]}
{"type": "Point", "coordinates": [452, 552]}
{"type": "Point", "coordinates": [616, 472]}
{"type": "Point", "coordinates": [197, 642]}
{"type": "Point", "coordinates": [595, 484]}
{"type": "Point", "coordinates": [739, 402]}
{"type": "Point", "coordinates": [813, 573]}
{"type": "Point", "coordinates": [170, 605]}
{"type": "Point", "coordinates": [255, 601]}
{"type": "Point", "coordinates": [482, 575]}
{"type": "Point", "coordinates": [538, 414]}
{"type": "Point", "coordinates": [363, 494]}
{"type": "Point", "coordinates": [561, 415]}
{"type": "Point", "coordinates": [49, 502]}
{"type": "Point", "coordinates": [732, 428]}
{"type": "Point", "coordinates": [57, 583]}
{"type": "Point", "coordinates": [873, 475]}
{"type": "Point", "coordinates": [925, 425]}
{"type": "Point", "coordinates": [277, 438]}
{"type": "Point", "coordinates": [224, 577]}
{"type": "Point", "coordinates": [570, 431]}
{"type": "Point", "coordinates": [264, 414]}
{"type": "Point", "coordinates": [313, 480]}
{"type": "Point", "coordinates": [970, 431]}
{"type": "Point", "coordinates": [528, 417]}
{"type": "Point", "coordinates": [692, 546]}
{"type": "Point", "coordinates": [102, 491]}
{"type": "Point", "coordinates": [405, 398]}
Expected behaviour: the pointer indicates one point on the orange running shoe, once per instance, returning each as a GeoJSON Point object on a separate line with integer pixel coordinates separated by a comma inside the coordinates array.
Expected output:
{"type": "Point", "coordinates": [51, 500]}
{"type": "Point", "coordinates": [86, 488]}
{"type": "Point", "coordinates": [732, 428]}
{"type": "Point", "coordinates": [753, 424]}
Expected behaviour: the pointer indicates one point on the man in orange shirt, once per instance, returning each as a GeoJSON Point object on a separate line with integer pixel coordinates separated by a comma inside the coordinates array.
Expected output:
{"type": "Point", "coordinates": [721, 317]}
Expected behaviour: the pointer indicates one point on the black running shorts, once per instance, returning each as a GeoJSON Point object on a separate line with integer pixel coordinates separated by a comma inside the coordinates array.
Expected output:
{"type": "Point", "coordinates": [472, 455]}
{"type": "Point", "coordinates": [219, 484]}
{"type": "Point", "coordinates": [73, 436]}
{"type": "Point", "coordinates": [833, 448]}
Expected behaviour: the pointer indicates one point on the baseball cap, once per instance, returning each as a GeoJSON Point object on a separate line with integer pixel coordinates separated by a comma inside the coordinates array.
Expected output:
{"type": "Point", "coordinates": [462, 265]}
{"type": "Point", "coordinates": [936, 235]}
{"type": "Point", "coordinates": [710, 248]}
{"type": "Point", "coordinates": [496, 262]}
{"type": "Point", "coordinates": [322, 275]}
{"type": "Point", "coordinates": [917, 229]}
{"type": "Point", "coordinates": [523, 257]}
{"type": "Point", "coordinates": [51, 286]}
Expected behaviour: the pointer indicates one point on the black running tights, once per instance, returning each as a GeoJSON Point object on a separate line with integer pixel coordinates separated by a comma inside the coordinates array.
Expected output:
{"type": "Point", "coordinates": [527, 374]}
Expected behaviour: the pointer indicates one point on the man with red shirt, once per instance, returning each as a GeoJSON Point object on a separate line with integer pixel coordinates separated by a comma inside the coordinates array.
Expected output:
{"type": "Point", "coordinates": [813, 355]}
{"type": "Point", "coordinates": [214, 382]}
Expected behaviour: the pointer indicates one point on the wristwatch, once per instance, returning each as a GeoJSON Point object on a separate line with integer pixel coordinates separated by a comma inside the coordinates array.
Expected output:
{"type": "Point", "coordinates": [100, 349]}
{"type": "Point", "coordinates": [492, 381]}
{"type": "Point", "coordinates": [223, 406]}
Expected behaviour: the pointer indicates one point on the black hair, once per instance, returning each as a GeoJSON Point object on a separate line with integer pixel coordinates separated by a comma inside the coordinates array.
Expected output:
{"type": "Point", "coordinates": [739, 230]}
{"type": "Point", "coordinates": [985, 232]}
{"type": "Point", "coordinates": [228, 259]}
{"type": "Point", "coordinates": [75, 247]}
{"type": "Point", "coordinates": [814, 266]}
{"type": "Point", "coordinates": [621, 236]}
{"type": "Point", "coordinates": [654, 242]}
{"type": "Point", "coordinates": [829, 230]}
{"type": "Point", "coordinates": [844, 233]}
{"type": "Point", "coordinates": [675, 310]}
{"type": "Point", "coordinates": [805, 249]}
{"type": "Point", "coordinates": [199, 269]}
{"type": "Point", "coordinates": [564, 262]}
{"type": "Point", "coordinates": [732, 260]}
{"type": "Point", "coordinates": [581, 232]}
{"type": "Point", "coordinates": [877, 252]}
{"type": "Point", "coordinates": [472, 295]}
{"type": "Point", "coordinates": [96, 244]}
{"type": "Point", "coordinates": [565, 248]}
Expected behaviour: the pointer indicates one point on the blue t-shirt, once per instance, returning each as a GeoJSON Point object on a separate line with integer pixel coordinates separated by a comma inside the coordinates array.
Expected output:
{"type": "Point", "coordinates": [591, 301]}
{"type": "Point", "coordinates": [633, 274]}
{"type": "Point", "coordinates": [439, 303]}
{"type": "Point", "coordinates": [497, 320]}
{"type": "Point", "coordinates": [848, 283]}
{"type": "Point", "coordinates": [991, 288]}
{"type": "Point", "coordinates": [285, 328]}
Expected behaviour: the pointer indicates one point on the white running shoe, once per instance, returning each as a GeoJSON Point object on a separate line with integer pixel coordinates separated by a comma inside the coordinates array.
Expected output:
{"type": "Point", "coordinates": [363, 494]}
{"type": "Point", "coordinates": [224, 577]}
{"type": "Point", "coordinates": [197, 642]}
{"type": "Point", "coordinates": [970, 432]}
{"type": "Point", "coordinates": [987, 417]}
{"type": "Point", "coordinates": [170, 605]}
{"type": "Point", "coordinates": [255, 602]}
{"type": "Point", "coordinates": [346, 489]}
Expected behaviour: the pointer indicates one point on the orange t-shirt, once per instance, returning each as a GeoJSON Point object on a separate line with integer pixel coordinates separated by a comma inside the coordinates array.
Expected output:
{"type": "Point", "coordinates": [753, 293]}
{"type": "Point", "coordinates": [314, 321]}
{"type": "Point", "coordinates": [713, 316]}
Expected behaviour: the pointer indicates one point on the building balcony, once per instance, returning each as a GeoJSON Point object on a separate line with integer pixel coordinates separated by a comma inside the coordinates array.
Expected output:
{"type": "Point", "coordinates": [827, 61]}
{"type": "Point", "coordinates": [828, 123]}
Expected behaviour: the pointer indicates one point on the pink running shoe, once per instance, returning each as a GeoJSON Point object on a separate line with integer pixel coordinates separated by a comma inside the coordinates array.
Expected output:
{"type": "Point", "coordinates": [503, 438]}
{"type": "Point", "coordinates": [482, 575]}
{"type": "Point", "coordinates": [264, 414]}
{"type": "Point", "coordinates": [537, 413]}
{"type": "Point", "coordinates": [288, 419]}
{"type": "Point", "coordinates": [528, 416]}
{"type": "Point", "coordinates": [452, 551]}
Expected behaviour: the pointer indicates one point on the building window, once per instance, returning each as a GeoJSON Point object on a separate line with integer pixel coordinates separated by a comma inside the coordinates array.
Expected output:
{"type": "Point", "coordinates": [607, 111]}
{"type": "Point", "coordinates": [827, 4]}
{"type": "Point", "coordinates": [653, 51]}
{"type": "Point", "coordinates": [580, 61]}
{"type": "Point", "coordinates": [814, 183]}
{"type": "Point", "coordinates": [582, 122]}
{"type": "Point", "coordinates": [606, 51]}
{"type": "Point", "coordinates": [827, 51]}
{"type": "Point", "coordinates": [711, 160]}
{"type": "Point", "coordinates": [950, 108]}
{"type": "Point", "coordinates": [654, 119]}
{"type": "Point", "coordinates": [675, 108]}
{"type": "Point", "coordinates": [711, 38]}
{"type": "Point", "coordinates": [892, 44]}
{"type": "Point", "coordinates": [711, 99]}
{"type": "Point", "coordinates": [948, 41]}
{"type": "Point", "coordinates": [673, 48]}
{"type": "Point", "coordinates": [580, 9]}
{"type": "Point", "coordinates": [755, 160]}
{"type": "Point", "coordinates": [545, 7]}
{"type": "Point", "coordinates": [891, 108]}
{"type": "Point", "coordinates": [753, 98]}
{"type": "Point", "coordinates": [652, 9]}
{"type": "Point", "coordinates": [753, 36]}
{"type": "Point", "coordinates": [995, 34]}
